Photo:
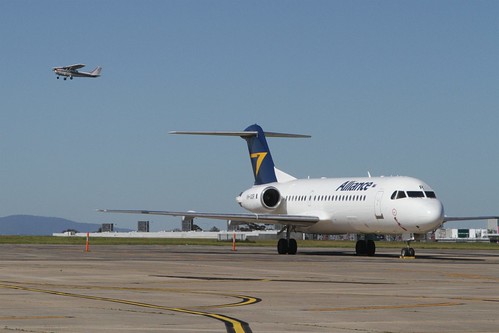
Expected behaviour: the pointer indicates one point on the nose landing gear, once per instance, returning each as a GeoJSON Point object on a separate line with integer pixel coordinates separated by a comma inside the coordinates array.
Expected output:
{"type": "Point", "coordinates": [408, 251]}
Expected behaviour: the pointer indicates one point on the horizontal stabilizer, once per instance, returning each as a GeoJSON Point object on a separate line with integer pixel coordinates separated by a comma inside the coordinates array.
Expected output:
{"type": "Point", "coordinates": [242, 134]}
{"type": "Point", "coordinates": [261, 159]}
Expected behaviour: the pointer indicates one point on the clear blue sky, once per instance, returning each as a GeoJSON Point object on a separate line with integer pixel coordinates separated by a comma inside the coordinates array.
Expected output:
{"type": "Point", "coordinates": [391, 87]}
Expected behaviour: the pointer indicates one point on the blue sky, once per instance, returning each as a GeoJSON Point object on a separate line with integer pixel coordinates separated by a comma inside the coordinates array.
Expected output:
{"type": "Point", "coordinates": [390, 87]}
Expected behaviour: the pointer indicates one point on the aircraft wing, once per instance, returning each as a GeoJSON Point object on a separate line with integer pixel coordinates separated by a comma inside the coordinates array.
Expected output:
{"type": "Point", "coordinates": [72, 67]}
{"type": "Point", "coordinates": [469, 218]}
{"type": "Point", "coordinates": [296, 220]}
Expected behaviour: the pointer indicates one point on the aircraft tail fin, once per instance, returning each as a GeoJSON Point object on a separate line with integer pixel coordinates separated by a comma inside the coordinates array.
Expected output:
{"type": "Point", "coordinates": [261, 159]}
{"type": "Point", "coordinates": [264, 170]}
{"type": "Point", "coordinates": [96, 71]}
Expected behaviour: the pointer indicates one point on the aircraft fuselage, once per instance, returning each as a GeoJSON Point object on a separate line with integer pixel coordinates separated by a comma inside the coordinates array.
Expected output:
{"type": "Point", "coordinates": [67, 73]}
{"type": "Point", "coordinates": [375, 205]}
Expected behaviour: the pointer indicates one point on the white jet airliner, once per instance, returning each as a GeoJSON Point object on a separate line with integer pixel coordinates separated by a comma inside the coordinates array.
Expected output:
{"type": "Point", "coordinates": [362, 205]}
{"type": "Point", "coordinates": [72, 71]}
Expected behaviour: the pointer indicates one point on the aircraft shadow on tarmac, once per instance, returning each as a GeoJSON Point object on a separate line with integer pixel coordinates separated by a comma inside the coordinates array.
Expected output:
{"type": "Point", "coordinates": [443, 255]}
{"type": "Point", "coordinates": [446, 256]}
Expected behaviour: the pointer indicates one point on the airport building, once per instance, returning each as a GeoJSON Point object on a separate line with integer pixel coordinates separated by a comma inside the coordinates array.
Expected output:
{"type": "Point", "coordinates": [491, 234]}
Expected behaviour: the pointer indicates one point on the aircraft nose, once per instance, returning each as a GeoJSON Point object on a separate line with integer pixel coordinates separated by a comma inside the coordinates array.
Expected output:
{"type": "Point", "coordinates": [434, 212]}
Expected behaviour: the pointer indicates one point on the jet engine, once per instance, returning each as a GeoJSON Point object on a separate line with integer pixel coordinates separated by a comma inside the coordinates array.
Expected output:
{"type": "Point", "coordinates": [260, 199]}
{"type": "Point", "coordinates": [270, 198]}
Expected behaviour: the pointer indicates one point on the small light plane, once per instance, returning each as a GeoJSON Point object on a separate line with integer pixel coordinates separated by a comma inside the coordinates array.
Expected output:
{"type": "Point", "coordinates": [363, 205]}
{"type": "Point", "coordinates": [72, 71]}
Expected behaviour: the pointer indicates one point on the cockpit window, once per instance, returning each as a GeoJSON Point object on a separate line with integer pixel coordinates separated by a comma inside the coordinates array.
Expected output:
{"type": "Point", "coordinates": [412, 194]}
{"type": "Point", "coordinates": [430, 194]}
{"type": "Point", "coordinates": [415, 194]}
{"type": "Point", "coordinates": [398, 195]}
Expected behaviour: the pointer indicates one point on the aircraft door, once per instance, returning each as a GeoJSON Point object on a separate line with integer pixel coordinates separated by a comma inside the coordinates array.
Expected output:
{"type": "Point", "coordinates": [377, 205]}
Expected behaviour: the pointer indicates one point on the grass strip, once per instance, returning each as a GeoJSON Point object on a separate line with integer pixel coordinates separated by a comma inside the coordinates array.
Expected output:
{"type": "Point", "coordinates": [8, 239]}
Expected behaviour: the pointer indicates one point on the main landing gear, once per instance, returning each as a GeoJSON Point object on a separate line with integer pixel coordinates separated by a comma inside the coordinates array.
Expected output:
{"type": "Point", "coordinates": [287, 245]}
{"type": "Point", "coordinates": [365, 247]}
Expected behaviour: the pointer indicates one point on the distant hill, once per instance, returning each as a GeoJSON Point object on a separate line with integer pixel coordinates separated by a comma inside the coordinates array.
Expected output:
{"type": "Point", "coordinates": [41, 226]}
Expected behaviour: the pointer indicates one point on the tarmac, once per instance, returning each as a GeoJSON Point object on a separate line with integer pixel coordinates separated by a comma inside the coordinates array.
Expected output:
{"type": "Point", "coordinates": [62, 288]}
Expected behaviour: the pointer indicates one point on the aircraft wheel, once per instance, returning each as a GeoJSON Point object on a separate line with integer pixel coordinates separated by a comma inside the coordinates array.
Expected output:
{"type": "Point", "coordinates": [361, 248]}
{"type": "Point", "coordinates": [292, 246]}
{"type": "Point", "coordinates": [370, 247]}
{"type": "Point", "coordinates": [407, 252]}
{"type": "Point", "coordinates": [282, 246]}
{"type": "Point", "coordinates": [65, 79]}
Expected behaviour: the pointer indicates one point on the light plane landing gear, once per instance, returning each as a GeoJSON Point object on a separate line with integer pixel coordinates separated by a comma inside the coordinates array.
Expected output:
{"type": "Point", "coordinates": [365, 247]}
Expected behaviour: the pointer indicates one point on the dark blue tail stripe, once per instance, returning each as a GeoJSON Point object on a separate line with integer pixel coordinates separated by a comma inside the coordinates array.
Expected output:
{"type": "Point", "coordinates": [261, 159]}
